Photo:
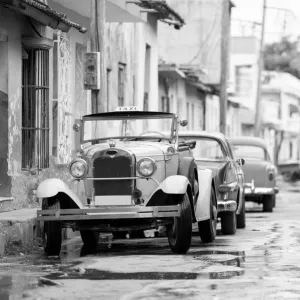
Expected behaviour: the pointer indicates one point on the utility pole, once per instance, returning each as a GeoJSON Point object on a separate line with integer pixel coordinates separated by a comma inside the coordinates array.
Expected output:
{"type": "Point", "coordinates": [98, 42]}
{"type": "Point", "coordinates": [225, 36]}
{"type": "Point", "coordinates": [260, 67]}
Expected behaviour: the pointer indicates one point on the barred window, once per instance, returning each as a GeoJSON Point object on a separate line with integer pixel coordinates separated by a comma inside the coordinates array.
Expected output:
{"type": "Point", "coordinates": [35, 109]}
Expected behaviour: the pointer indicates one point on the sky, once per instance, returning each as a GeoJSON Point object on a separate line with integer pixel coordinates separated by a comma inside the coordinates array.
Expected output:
{"type": "Point", "coordinates": [251, 10]}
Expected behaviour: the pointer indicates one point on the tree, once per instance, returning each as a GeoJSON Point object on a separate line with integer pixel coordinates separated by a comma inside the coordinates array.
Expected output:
{"type": "Point", "coordinates": [283, 56]}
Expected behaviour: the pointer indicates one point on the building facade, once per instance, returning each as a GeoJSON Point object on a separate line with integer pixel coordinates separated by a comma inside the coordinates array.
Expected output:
{"type": "Point", "coordinates": [41, 87]}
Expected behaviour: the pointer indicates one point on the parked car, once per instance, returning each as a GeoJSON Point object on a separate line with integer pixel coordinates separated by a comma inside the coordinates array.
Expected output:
{"type": "Point", "coordinates": [260, 173]}
{"type": "Point", "coordinates": [213, 151]}
{"type": "Point", "coordinates": [135, 178]}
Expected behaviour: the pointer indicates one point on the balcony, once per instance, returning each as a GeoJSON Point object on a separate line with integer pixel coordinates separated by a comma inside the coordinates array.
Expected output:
{"type": "Point", "coordinates": [291, 125]}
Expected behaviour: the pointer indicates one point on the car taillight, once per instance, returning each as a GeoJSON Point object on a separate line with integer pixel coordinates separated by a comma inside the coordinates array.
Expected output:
{"type": "Point", "coordinates": [271, 176]}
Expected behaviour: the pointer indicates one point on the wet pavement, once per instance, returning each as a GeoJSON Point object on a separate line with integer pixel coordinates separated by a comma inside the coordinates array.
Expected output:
{"type": "Point", "coordinates": [259, 262]}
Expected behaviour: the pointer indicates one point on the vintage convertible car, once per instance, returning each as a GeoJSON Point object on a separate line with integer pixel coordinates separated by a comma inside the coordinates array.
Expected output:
{"type": "Point", "coordinates": [213, 151]}
{"type": "Point", "coordinates": [260, 180]}
{"type": "Point", "coordinates": [130, 177]}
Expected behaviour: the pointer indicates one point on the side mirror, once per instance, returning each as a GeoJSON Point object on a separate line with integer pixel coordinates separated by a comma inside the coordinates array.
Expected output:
{"type": "Point", "coordinates": [76, 127]}
{"type": "Point", "coordinates": [184, 123]}
{"type": "Point", "coordinates": [241, 161]}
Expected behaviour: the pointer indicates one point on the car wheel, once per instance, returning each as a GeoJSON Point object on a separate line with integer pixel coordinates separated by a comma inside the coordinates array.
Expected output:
{"type": "Point", "coordinates": [268, 203]}
{"type": "Point", "coordinates": [52, 234]}
{"type": "Point", "coordinates": [241, 218]}
{"type": "Point", "coordinates": [180, 233]}
{"type": "Point", "coordinates": [208, 228]}
{"type": "Point", "coordinates": [228, 222]}
{"type": "Point", "coordinates": [89, 238]}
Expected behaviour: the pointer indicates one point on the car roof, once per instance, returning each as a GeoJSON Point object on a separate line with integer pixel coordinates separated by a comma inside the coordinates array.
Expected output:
{"type": "Point", "coordinates": [129, 113]}
{"type": "Point", "coordinates": [248, 140]}
{"type": "Point", "coordinates": [206, 134]}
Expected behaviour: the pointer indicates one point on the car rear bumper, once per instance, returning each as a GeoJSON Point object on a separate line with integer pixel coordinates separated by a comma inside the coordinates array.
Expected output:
{"type": "Point", "coordinates": [261, 191]}
{"type": "Point", "coordinates": [229, 205]}
{"type": "Point", "coordinates": [109, 213]}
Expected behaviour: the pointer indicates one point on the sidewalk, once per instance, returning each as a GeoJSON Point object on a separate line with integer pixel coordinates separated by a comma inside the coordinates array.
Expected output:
{"type": "Point", "coordinates": [18, 228]}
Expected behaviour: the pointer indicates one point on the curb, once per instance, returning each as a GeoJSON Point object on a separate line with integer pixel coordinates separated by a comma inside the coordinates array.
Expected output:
{"type": "Point", "coordinates": [20, 232]}
{"type": "Point", "coordinates": [18, 229]}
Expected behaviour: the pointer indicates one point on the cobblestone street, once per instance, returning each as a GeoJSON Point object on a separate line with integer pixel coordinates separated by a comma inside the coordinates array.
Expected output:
{"type": "Point", "coordinates": [260, 262]}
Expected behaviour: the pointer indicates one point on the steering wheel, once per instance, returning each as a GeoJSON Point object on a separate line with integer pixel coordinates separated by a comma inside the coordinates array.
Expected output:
{"type": "Point", "coordinates": [156, 132]}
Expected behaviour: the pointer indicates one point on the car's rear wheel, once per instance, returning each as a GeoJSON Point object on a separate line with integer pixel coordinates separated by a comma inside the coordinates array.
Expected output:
{"type": "Point", "coordinates": [208, 228]}
{"type": "Point", "coordinates": [228, 222]}
{"type": "Point", "coordinates": [89, 238]}
{"type": "Point", "coordinates": [268, 203]}
{"type": "Point", "coordinates": [241, 217]}
{"type": "Point", "coordinates": [52, 233]}
{"type": "Point", "coordinates": [180, 233]}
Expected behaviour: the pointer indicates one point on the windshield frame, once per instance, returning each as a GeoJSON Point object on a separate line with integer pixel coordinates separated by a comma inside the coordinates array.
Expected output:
{"type": "Point", "coordinates": [128, 116]}
{"type": "Point", "coordinates": [198, 138]}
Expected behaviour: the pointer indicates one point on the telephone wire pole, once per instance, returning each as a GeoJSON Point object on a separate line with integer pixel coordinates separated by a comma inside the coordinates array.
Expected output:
{"type": "Point", "coordinates": [260, 68]}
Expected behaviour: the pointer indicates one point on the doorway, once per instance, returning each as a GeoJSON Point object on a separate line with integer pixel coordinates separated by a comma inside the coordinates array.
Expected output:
{"type": "Point", "coordinates": [5, 180]}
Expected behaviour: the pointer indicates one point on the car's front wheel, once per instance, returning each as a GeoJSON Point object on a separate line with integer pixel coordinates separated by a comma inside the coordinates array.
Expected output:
{"type": "Point", "coordinates": [180, 233]}
{"type": "Point", "coordinates": [228, 222]}
{"type": "Point", "coordinates": [52, 233]}
{"type": "Point", "coordinates": [208, 228]}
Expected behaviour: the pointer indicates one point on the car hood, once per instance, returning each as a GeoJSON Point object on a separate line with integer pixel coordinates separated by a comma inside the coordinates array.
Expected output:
{"type": "Point", "coordinates": [137, 148]}
{"type": "Point", "coordinates": [256, 170]}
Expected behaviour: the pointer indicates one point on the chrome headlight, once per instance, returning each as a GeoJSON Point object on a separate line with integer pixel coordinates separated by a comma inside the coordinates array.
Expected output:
{"type": "Point", "coordinates": [78, 168]}
{"type": "Point", "coordinates": [146, 167]}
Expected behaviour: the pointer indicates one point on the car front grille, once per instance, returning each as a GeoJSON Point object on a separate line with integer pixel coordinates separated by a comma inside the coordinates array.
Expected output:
{"type": "Point", "coordinates": [113, 163]}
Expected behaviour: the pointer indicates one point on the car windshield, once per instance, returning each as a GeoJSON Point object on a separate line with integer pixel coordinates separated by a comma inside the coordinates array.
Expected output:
{"type": "Point", "coordinates": [131, 128]}
{"type": "Point", "coordinates": [250, 152]}
{"type": "Point", "coordinates": [206, 148]}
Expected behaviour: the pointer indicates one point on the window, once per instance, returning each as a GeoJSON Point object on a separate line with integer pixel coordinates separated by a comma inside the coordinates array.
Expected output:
{"type": "Point", "coordinates": [291, 150]}
{"type": "Point", "coordinates": [165, 104]}
{"type": "Point", "coordinates": [244, 81]}
{"type": "Point", "coordinates": [121, 84]}
{"type": "Point", "coordinates": [35, 110]}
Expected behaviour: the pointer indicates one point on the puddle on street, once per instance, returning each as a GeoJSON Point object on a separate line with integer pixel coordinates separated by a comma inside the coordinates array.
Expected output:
{"type": "Point", "coordinates": [91, 274]}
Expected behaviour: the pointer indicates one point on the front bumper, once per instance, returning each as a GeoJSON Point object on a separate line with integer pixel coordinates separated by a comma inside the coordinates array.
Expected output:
{"type": "Point", "coordinates": [229, 205]}
{"type": "Point", "coordinates": [109, 213]}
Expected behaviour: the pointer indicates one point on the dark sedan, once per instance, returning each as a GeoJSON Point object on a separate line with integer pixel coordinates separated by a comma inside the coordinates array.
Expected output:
{"type": "Point", "coordinates": [212, 151]}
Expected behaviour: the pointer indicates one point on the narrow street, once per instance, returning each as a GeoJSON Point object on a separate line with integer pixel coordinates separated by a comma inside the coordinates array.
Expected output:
{"type": "Point", "coordinates": [260, 262]}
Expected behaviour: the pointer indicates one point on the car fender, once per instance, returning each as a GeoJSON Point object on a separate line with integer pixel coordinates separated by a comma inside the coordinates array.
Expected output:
{"type": "Point", "coordinates": [176, 184]}
{"type": "Point", "coordinates": [51, 187]}
{"type": "Point", "coordinates": [205, 185]}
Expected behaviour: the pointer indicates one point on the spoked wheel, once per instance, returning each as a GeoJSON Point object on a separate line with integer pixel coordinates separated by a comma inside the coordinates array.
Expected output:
{"type": "Point", "coordinates": [52, 233]}
{"type": "Point", "coordinates": [89, 238]}
{"type": "Point", "coordinates": [180, 233]}
{"type": "Point", "coordinates": [228, 222]}
{"type": "Point", "coordinates": [208, 228]}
